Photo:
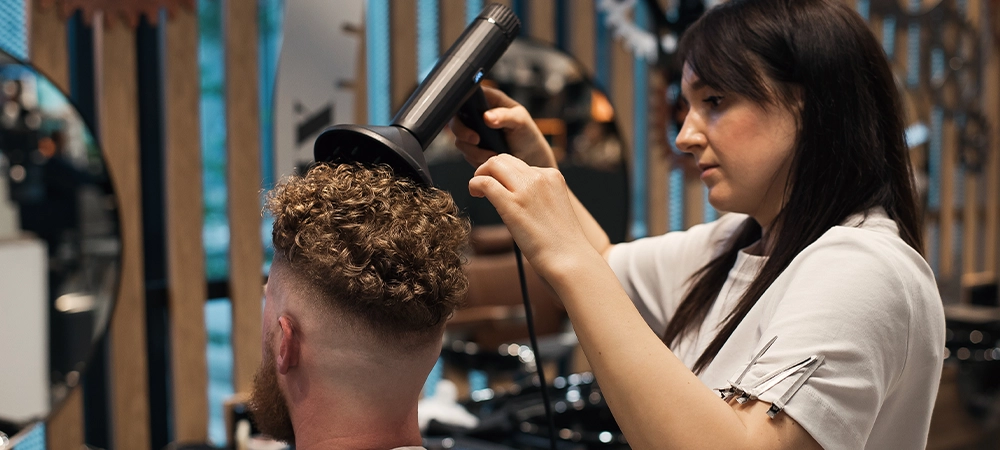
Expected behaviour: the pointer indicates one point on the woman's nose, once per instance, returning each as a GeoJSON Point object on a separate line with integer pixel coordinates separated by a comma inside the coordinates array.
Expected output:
{"type": "Point", "coordinates": [690, 137]}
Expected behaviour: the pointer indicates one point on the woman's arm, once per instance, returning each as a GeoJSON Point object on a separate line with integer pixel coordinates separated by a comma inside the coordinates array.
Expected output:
{"type": "Point", "coordinates": [655, 398]}
{"type": "Point", "coordinates": [527, 143]}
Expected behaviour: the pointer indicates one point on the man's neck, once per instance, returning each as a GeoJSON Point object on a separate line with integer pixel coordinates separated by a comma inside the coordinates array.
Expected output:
{"type": "Point", "coordinates": [337, 425]}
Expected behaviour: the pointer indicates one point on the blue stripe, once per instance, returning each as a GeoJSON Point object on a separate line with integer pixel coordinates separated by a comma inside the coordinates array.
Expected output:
{"type": "Point", "coordinates": [710, 213]}
{"type": "Point", "coordinates": [602, 52]}
{"type": "Point", "coordinates": [640, 86]}
{"type": "Point", "coordinates": [377, 56]}
{"type": "Point", "coordinates": [889, 35]}
{"type": "Point", "coordinates": [13, 28]}
{"type": "Point", "coordinates": [472, 10]}
{"type": "Point", "coordinates": [934, 159]}
{"type": "Point", "coordinates": [913, 54]}
{"type": "Point", "coordinates": [427, 37]}
{"type": "Point", "coordinates": [863, 8]}
{"type": "Point", "coordinates": [676, 199]}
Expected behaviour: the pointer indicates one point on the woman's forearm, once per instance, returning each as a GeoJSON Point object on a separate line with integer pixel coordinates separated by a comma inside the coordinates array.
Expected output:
{"type": "Point", "coordinates": [655, 398]}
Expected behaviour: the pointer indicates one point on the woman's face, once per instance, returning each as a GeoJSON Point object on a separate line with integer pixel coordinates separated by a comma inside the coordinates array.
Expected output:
{"type": "Point", "coordinates": [744, 150]}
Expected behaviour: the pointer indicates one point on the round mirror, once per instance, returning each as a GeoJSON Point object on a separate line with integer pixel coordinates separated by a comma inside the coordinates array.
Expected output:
{"type": "Point", "coordinates": [59, 245]}
{"type": "Point", "coordinates": [579, 123]}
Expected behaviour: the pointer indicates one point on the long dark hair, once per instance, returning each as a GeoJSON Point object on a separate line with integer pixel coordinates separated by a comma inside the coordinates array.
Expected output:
{"type": "Point", "coordinates": [819, 57]}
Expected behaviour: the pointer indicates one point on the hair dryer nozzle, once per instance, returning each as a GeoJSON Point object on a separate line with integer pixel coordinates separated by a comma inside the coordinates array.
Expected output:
{"type": "Point", "coordinates": [373, 145]}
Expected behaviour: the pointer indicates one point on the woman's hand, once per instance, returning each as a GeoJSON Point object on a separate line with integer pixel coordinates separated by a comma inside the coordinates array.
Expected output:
{"type": "Point", "coordinates": [523, 136]}
{"type": "Point", "coordinates": [535, 204]}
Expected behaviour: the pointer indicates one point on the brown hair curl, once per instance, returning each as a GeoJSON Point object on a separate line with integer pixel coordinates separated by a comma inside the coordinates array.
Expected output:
{"type": "Point", "coordinates": [380, 247]}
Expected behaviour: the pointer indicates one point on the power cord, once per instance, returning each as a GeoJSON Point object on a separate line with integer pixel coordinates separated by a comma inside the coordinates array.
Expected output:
{"type": "Point", "coordinates": [534, 347]}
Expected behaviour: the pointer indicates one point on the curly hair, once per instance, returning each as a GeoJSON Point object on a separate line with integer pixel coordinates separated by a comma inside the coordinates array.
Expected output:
{"type": "Point", "coordinates": [380, 247]}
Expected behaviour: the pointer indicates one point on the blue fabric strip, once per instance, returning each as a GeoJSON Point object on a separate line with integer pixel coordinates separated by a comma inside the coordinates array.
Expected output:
{"type": "Point", "coordinates": [377, 57]}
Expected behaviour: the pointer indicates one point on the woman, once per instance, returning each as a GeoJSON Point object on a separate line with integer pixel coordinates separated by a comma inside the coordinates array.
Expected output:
{"type": "Point", "coordinates": [809, 302]}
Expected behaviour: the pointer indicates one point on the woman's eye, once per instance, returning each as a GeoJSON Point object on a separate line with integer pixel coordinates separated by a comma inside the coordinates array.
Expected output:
{"type": "Point", "coordinates": [714, 100]}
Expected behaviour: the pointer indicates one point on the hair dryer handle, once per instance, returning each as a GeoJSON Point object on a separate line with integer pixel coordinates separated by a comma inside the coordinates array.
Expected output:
{"type": "Point", "coordinates": [471, 114]}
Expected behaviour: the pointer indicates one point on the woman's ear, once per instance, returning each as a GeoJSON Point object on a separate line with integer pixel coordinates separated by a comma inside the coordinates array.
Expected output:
{"type": "Point", "coordinates": [288, 348]}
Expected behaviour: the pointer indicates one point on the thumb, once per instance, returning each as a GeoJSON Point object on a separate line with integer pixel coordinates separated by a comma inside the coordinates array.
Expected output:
{"type": "Point", "coordinates": [508, 118]}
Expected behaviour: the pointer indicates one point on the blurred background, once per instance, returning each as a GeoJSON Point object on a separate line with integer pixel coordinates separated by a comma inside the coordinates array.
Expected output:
{"type": "Point", "coordinates": [137, 136]}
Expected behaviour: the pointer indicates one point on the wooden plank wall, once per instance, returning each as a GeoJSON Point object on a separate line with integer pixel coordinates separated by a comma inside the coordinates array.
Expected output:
{"type": "Point", "coordinates": [49, 55]}
{"type": "Point", "coordinates": [116, 84]}
{"type": "Point", "coordinates": [962, 232]}
{"type": "Point", "coordinates": [118, 117]}
{"type": "Point", "coordinates": [185, 252]}
{"type": "Point", "coordinates": [246, 253]}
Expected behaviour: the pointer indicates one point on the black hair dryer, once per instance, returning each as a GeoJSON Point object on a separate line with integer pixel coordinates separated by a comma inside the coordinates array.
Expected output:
{"type": "Point", "coordinates": [451, 88]}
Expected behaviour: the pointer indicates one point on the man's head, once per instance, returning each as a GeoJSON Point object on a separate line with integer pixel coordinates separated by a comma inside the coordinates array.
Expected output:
{"type": "Point", "coordinates": [367, 268]}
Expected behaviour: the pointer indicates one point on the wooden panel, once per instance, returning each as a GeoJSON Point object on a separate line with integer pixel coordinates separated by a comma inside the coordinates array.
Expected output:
{"type": "Point", "coordinates": [946, 259]}
{"type": "Point", "coordinates": [243, 169]}
{"type": "Point", "coordinates": [403, 29]}
{"type": "Point", "coordinates": [622, 97]}
{"type": "Point", "coordinates": [542, 23]}
{"type": "Point", "coordinates": [451, 22]}
{"type": "Point", "coordinates": [118, 111]}
{"type": "Point", "coordinates": [361, 81]}
{"type": "Point", "coordinates": [185, 254]}
{"type": "Point", "coordinates": [991, 95]}
{"type": "Point", "coordinates": [970, 224]}
{"type": "Point", "coordinates": [658, 168]}
{"type": "Point", "coordinates": [47, 43]}
{"type": "Point", "coordinates": [64, 428]}
{"type": "Point", "coordinates": [581, 22]}
{"type": "Point", "coordinates": [48, 53]}
{"type": "Point", "coordinates": [694, 200]}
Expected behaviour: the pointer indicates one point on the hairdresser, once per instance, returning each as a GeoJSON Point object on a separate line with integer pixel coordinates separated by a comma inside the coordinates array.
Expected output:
{"type": "Point", "coordinates": [806, 316]}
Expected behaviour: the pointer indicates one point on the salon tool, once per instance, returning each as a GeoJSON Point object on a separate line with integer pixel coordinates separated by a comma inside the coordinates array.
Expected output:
{"type": "Point", "coordinates": [452, 87]}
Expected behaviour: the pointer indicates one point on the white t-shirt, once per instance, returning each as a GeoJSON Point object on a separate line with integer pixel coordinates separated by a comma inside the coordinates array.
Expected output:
{"type": "Point", "coordinates": [859, 296]}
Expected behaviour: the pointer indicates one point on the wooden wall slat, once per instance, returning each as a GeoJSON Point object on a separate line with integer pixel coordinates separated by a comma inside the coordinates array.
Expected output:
{"type": "Point", "coordinates": [542, 23]}
{"type": "Point", "coordinates": [947, 216]}
{"type": "Point", "coordinates": [118, 110]}
{"type": "Point", "coordinates": [658, 165]}
{"type": "Point", "coordinates": [47, 43]}
{"type": "Point", "coordinates": [451, 22]}
{"type": "Point", "coordinates": [581, 22]}
{"type": "Point", "coordinates": [403, 29]}
{"type": "Point", "coordinates": [244, 181]}
{"type": "Point", "coordinates": [185, 253]}
{"type": "Point", "coordinates": [622, 97]}
{"type": "Point", "coordinates": [48, 53]}
{"type": "Point", "coordinates": [991, 108]}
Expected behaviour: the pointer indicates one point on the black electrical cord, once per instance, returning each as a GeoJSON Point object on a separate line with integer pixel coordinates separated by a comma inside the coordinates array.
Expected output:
{"type": "Point", "coordinates": [534, 347]}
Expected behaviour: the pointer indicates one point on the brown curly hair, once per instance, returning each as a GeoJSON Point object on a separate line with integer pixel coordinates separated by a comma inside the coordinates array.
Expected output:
{"type": "Point", "coordinates": [380, 247]}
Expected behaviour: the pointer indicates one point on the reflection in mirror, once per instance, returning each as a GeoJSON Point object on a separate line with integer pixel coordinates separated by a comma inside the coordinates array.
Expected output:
{"type": "Point", "coordinates": [59, 245]}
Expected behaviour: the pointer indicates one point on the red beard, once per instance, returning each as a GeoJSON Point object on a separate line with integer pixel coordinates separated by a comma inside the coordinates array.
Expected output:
{"type": "Point", "coordinates": [268, 407]}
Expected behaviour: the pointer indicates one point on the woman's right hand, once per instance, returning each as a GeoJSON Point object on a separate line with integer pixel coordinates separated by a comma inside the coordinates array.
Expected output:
{"type": "Point", "coordinates": [524, 138]}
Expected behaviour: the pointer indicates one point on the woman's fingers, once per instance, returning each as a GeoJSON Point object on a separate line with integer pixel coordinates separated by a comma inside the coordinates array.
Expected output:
{"type": "Point", "coordinates": [462, 132]}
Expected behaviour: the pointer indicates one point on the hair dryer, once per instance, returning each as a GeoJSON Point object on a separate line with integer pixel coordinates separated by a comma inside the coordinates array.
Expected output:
{"type": "Point", "coordinates": [451, 87]}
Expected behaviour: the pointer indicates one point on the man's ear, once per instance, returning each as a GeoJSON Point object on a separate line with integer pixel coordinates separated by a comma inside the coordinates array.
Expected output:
{"type": "Point", "coordinates": [288, 348]}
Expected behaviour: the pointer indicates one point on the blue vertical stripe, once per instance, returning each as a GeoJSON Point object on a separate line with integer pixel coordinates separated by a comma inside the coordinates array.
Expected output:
{"type": "Point", "coordinates": [934, 159]}
{"type": "Point", "coordinates": [377, 56]}
{"type": "Point", "coordinates": [472, 10]}
{"type": "Point", "coordinates": [889, 35]}
{"type": "Point", "coordinates": [602, 51]}
{"type": "Point", "coordinates": [640, 89]}
{"type": "Point", "coordinates": [913, 54]}
{"type": "Point", "coordinates": [863, 8]}
{"type": "Point", "coordinates": [427, 37]}
{"type": "Point", "coordinates": [13, 28]}
{"type": "Point", "coordinates": [676, 199]}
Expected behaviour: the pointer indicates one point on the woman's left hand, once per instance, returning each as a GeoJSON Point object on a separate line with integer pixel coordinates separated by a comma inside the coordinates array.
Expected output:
{"type": "Point", "coordinates": [535, 204]}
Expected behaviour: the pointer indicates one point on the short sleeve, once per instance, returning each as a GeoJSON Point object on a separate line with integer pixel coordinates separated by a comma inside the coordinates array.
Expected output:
{"type": "Point", "coordinates": [655, 272]}
{"type": "Point", "coordinates": [846, 300]}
